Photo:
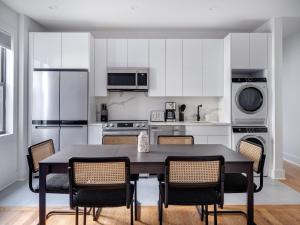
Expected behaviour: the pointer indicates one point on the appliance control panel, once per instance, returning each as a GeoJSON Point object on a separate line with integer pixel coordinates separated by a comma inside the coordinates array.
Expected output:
{"type": "Point", "coordinates": [126, 125]}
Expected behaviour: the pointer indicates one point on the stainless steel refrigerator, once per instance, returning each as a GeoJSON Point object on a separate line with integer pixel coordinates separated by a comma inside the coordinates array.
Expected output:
{"type": "Point", "coordinates": [59, 107]}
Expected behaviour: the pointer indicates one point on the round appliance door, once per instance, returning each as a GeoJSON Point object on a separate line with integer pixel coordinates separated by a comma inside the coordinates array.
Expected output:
{"type": "Point", "coordinates": [250, 99]}
{"type": "Point", "coordinates": [254, 139]}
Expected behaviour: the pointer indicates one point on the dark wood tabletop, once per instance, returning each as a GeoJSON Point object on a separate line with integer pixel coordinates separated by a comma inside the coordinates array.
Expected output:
{"type": "Point", "coordinates": [157, 154]}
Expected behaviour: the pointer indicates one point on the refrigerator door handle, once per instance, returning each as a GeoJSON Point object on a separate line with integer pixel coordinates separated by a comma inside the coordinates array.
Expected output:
{"type": "Point", "coordinates": [45, 127]}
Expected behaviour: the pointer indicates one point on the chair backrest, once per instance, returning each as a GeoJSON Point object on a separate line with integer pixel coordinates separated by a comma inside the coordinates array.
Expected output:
{"type": "Point", "coordinates": [202, 171]}
{"type": "Point", "coordinates": [39, 152]}
{"type": "Point", "coordinates": [175, 140]}
{"type": "Point", "coordinates": [99, 174]}
{"type": "Point", "coordinates": [253, 152]}
{"type": "Point", "coordinates": [120, 140]}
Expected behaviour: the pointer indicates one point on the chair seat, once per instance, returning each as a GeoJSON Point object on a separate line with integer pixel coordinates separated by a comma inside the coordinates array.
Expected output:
{"type": "Point", "coordinates": [102, 198]}
{"type": "Point", "coordinates": [235, 183]}
{"type": "Point", "coordinates": [55, 183]}
{"type": "Point", "coordinates": [134, 177]}
{"type": "Point", "coordinates": [190, 196]}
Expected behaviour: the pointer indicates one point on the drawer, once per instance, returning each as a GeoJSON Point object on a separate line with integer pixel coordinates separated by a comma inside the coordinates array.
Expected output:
{"type": "Point", "coordinates": [223, 140]}
{"type": "Point", "coordinates": [200, 139]}
{"type": "Point", "coordinates": [207, 130]}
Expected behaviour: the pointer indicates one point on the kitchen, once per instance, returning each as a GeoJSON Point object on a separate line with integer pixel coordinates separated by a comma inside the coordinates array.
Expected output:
{"type": "Point", "coordinates": [94, 87]}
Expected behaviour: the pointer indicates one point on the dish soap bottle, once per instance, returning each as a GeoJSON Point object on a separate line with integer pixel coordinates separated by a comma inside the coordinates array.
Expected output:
{"type": "Point", "coordinates": [143, 142]}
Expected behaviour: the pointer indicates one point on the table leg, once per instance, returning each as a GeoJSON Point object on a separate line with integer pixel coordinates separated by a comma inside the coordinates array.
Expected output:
{"type": "Point", "coordinates": [42, 194]}
{"type": "Point", "coordinates": [250, 200]}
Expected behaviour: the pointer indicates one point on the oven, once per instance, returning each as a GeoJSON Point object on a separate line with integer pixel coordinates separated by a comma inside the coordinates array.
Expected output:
{"type": "Point", "coordinates": [124, 127]}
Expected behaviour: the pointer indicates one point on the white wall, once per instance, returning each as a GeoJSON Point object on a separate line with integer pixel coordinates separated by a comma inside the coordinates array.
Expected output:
{"type": "Point", "coordinates": [275, 96]}
{"type": "Point", "coordinates": [8, 143]}
{"type": "Point", "coordinates": [138, 106]}
{"type": "Point", "coordinates": [291, 94]}
{"type": "Point", "coordinates": [26, 25]}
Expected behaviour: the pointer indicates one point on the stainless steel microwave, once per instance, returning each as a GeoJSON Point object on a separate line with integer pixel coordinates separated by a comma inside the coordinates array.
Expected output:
{"type": "Point", "coordinates": [127, 79]}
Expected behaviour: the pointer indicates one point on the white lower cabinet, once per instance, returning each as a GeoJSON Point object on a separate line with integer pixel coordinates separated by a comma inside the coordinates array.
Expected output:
{"type": "Point", "coordinates": [200, 139]}
{"type": "Point", "coordinates": [222, 140]}
{"type": "Point", "coordinates": [95, 134]}
{"type": "Point", "coordinates": [210, 134]}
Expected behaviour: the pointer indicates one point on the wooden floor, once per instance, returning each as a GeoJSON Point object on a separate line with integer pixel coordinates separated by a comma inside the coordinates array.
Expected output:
{"type": "Point", "coordinates": [264, 214]}
{"type": "Point", "coordinates": [292, 174]}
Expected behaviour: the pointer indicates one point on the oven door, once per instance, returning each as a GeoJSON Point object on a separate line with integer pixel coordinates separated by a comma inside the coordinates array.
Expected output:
{"type": "Point", "coordinates": [121, 80]}
{"type": "Point", "coordinates": [121, 132]}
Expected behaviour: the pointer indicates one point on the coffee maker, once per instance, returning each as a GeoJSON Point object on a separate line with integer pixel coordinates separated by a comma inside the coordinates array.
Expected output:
{"type": "Point", "coordinates": [170, 111]}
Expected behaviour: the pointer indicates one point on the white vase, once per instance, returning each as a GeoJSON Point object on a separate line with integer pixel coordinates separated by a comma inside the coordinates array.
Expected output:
{"type": "Point", "coordinates": [143, 142]}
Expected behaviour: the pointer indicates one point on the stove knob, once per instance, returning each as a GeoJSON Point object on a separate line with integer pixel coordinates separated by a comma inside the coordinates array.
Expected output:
{"type": "Point", "coordinates": [111, 125]}
{"type": "Point", "coordinates": [106, 125]}
{"type": "Point", "coordinates": [143, 125]}
{"type": "Point", "coordinates": [137, 125]}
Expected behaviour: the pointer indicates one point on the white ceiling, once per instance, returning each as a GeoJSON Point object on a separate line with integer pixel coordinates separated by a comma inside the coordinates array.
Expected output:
{"type": "Point", "coordinates": [235, 15]}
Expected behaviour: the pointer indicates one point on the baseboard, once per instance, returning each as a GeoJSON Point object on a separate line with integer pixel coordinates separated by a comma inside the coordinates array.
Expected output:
{"type": "Point", "coordinates": [291, 158]}
{"type": "Point", "coordinates": [278, 174]}
{"type": "Point", "coordinates": [6, 186]}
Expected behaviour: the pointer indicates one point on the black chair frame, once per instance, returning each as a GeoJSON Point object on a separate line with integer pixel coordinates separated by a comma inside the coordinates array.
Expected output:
{"type": "Point", "coordinates": [219, 186]}
{"type": "Point", "coordinates": [74, 187]}
{"type": "Point", "coordinates": [256, 190]}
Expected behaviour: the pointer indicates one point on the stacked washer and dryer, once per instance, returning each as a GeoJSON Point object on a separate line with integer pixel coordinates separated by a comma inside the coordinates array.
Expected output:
{"type": "Point", "coordinates": [250, 110]}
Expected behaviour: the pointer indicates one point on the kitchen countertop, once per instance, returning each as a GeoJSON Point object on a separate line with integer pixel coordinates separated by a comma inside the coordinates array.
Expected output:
{"type": "Point", "coordinates": [189, 123]}
{"type": "Point", "coordinates": [186, 123]}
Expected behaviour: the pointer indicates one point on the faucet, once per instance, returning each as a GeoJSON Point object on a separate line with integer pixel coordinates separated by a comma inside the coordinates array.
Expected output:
{"type": "Point", "coordinates": [198, 112]}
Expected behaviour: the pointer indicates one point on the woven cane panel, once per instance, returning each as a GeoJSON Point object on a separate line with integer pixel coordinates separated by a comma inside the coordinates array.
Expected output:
{"type": "Point", "coordinates": [252, 152]}
{"type": "Point", "coordinates": [194, 172]}
{"type": "Point", "coordinates": [175, 140]}
{"type": "Point", "coordinates": [40, 152]}
{"type": "Point", "coordinates": [99, 173]}
{"type": "Point", "coordinates": [120, 140]}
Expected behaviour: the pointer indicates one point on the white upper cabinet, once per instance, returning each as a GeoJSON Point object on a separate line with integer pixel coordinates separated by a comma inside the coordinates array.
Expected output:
{"type": "Point", "coordinates": [213, 67]}
{"type": "Point", "coordinates": [47, 50]}
{"type": "Point", "coordinates": [75, 50]}
{"type": "Point", "coordinates": [192, 68]}
{"type": "Point", "coordinates": [240, 54]}
{"type": "Point", "coordinates": [138, 53]}
{"type": "Point", "coordinates": [117, 53]}
{"type": "Point", "coordinates": [157, 67]}
{"type": "Point", "coordinates": [258, 50]}
{"type": "Point", "coordinates": [100, 67]}
{"type": "Point", "coordinates": [249, 50]}
{"type": "Point", "coordinates": [173, 67]}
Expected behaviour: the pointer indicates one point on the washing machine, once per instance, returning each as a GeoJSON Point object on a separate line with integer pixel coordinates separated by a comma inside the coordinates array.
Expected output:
{"type": "Point", "coordinates": [257, 135]}
{"type": "Point", "coordinates": [249, 101]}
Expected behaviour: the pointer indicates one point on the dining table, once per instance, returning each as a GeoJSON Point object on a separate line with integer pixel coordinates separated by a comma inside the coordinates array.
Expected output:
{"type": "Point", "coordinates": [152, 162]}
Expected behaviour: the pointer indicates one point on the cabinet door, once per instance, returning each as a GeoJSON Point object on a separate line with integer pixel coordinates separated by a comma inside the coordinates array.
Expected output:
{"type": "Point", "coordinates": [100, 67]}
{"type": "Point", "coordinates": [47, 50]}
{"type": "Point", "coordinates": [157, 67]}
{"type": "Point", "coordinates": [76, 50]}
{"type": "Point", "coordinates": [95, 134]}
{"type": "Point", "coordinates": [240, 50]}
{"type": "Point", "coordinates": [138, 53]}
{"type": "Point", "coordinates": [69, 136]}
{"type": "Point", "coordinates": [200, 139]}
{"type": "Point", "coordinates": [173, 67]}
{"type": "Point", "coordinates": [213, 67]}
{"type": "Point", "coordinates": [117, 53]}
{"type": "Point", "coordinates": [223, 140]}
{"type": "Point", "coordinates": [192, 68]}
{"type": "Point", "coordinates": [258, 50]}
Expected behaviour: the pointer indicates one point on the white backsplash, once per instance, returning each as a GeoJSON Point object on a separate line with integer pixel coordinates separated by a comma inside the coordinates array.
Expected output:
{"type": "Point", "coordinates": [138, 106]}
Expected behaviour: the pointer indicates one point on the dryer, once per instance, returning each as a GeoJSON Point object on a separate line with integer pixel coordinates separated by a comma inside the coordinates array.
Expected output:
{"type": "Point", "coordinates": [249, 101]}
{"type": "Point", "coordinates": [257, 135]}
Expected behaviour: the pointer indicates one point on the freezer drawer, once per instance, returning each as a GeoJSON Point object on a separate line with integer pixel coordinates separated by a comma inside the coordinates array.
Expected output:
{"type": "Point", "coordinates": [45, 95]}
{"type": "Point", "coordinates": [73, 95]}
{"type": "Point", "coordinates": [72, 135]}
{"type": "Point", "coordinates": [43, 133]}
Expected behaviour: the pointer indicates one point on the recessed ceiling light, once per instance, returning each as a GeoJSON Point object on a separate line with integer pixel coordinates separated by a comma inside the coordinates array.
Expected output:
{"type": "Point", "coordinates": [53, 7]}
